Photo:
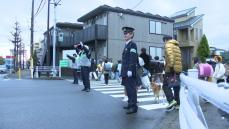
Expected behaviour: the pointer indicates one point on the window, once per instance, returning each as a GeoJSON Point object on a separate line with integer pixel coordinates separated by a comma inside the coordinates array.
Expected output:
{"type": "Point", "coordinates": [155, 51]}
{"type": "Point", "coordinates": [152, 27]}
{"type": "Point", "coordinates": [158, 27]}
{"type": "Point", "coordinates": [155, 27]}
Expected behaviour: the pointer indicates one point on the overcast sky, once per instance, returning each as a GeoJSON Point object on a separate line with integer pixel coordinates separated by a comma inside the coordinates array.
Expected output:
{"type": "Point", "coordinates": [216, 18]}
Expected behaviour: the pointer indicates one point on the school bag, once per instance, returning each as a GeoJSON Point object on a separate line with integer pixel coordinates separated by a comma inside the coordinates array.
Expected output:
{"type": "Point", "coordinates": [107, 66]}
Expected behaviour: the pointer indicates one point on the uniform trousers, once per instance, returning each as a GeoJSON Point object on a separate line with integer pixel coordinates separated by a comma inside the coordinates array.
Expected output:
{"type": "Point", "coordinates": [130, 86]}
{"type": "Point", "coordinates": [85, 70]}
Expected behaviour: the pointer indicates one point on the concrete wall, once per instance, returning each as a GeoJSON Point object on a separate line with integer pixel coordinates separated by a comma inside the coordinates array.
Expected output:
{"type": "Point", "coordinates": [199, 27]}
{"type": "Point", "coordinates": [101, 49]}
{"type": "Point", "coordinates": [142, 37]}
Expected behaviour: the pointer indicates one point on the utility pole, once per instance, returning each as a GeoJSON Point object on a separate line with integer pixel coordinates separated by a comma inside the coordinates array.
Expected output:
{"type": "Point", "coordinates": [32, 27]}
{"type": "Point", "coordinates": [48, 38]}
{"type": "Point", "coordinates": [54, 39]}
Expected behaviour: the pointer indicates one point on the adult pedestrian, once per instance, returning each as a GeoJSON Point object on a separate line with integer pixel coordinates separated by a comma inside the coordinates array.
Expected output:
{"type": "Point", "coordinates": [227, 71]}
{"type": "Point", "coordinates": [219, 70]}
{"type": "Point", "coordinates": [93, 70]}
{"type": "Point", "coordinates": [106, 70]}
{"type": "Point", "coordinates": [85, 63]}
{"type": "Point", "coordinates": [173, 68]}
{"type": "Point", "coordinates": [128, 70]}
{"type": "Point", "coordinates": [146, 58]}
{"type": "Point", "coordinates": [75, 67]}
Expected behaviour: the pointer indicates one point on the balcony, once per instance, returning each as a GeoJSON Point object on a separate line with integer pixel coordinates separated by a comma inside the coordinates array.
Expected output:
{"type": "Point", "coordinates": [94, 32]}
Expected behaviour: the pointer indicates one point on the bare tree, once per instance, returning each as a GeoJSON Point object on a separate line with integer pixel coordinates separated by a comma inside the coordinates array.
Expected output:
{"type": "Point", "coordinates": [16, 40]}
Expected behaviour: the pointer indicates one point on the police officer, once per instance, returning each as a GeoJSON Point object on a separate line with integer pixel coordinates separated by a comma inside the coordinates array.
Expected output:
{"type": "Point", "coordinates": [75, 67]}
{"type": "Point", "coordinates": [128, 69]}
{"type": "Point", "coordinates": [85, 64]}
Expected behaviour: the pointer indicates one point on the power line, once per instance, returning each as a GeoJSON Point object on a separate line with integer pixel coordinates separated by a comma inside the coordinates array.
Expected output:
{"type": "Point", "coordinates": [137, 4]}
{"type": "Point", "coordinates": [40, 7]}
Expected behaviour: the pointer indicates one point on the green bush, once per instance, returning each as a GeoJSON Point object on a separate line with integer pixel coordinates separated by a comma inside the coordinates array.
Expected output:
{"type": "Point", "coordinates": [203, 50]}
{"type": "Point", "coordinates": [2, 61]}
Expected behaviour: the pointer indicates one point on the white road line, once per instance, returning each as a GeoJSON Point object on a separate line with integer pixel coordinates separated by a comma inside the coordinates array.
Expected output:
{"type": "Point", "coordinates": [118, 96]}
{"type": "Point", "coordinates": [107, 89]}
{"type": "Point", "coordinates": [139, 94]}
{"type": "Point", "coordinates": [145, 94]}
{"type": "Point", "coordinates": [154, 106]}
{"type": "Point", "coordinates": [97, 87]}
{"type": "Point", "coordinates": [113, 92]}
{"type": "Point", "coordinates": [121, 91]}
{"type": "Point", "coordinates": [150, 99]}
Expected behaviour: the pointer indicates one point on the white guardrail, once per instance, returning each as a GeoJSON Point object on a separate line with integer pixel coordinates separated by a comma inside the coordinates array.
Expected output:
{"type": "Point", "coordinates": [46, 69]}
{"type": "Point", "coordinates": [190, 113]}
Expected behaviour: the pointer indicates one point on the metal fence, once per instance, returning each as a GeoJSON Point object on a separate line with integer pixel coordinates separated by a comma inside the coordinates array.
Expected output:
{"type": "Point", "coordinates": [190, 113]}
{"type": "Point", "coordinates": [49, 69]}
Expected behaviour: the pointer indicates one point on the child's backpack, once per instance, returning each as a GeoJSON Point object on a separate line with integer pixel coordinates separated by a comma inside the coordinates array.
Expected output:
{"type": "Point", "coordinates": [107, 66]}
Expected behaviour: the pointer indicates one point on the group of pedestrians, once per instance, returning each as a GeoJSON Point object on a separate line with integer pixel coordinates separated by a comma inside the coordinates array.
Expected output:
{"type": "Point", "coordinates": [127, 70]}
{"type": "Point", "coordinates": [215, 71]}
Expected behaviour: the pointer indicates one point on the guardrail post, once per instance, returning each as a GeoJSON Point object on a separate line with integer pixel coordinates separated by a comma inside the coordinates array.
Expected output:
{"type": "Point", "coordinates": [19, 73]}
{"type": "Point", "coordinates": [37, 72]}
{"type": "Point", "coordinates": [193, 73]}
{"type": "Point", "coordinates": [194, 98]}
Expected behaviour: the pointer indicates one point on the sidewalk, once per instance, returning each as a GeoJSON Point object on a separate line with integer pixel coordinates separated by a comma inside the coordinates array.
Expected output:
{"type": "Point", "coordinates": [25, 74]}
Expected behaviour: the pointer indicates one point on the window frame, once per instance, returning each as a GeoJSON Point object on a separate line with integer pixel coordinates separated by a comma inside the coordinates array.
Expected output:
{"type": "Point", "coordinates": [155, 51]}
{"type": "Point", "coordinates": [155, 27]}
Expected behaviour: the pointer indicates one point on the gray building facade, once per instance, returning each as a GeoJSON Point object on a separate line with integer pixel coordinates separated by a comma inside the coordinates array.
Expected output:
{"type": "Point", "coordinates": [149, 31]}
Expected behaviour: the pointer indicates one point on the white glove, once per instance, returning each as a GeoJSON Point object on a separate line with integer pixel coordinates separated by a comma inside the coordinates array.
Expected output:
{"type": "Point", "coordinates": [81, 43]}
{"type": "Point", "coordinates": [129, 73]}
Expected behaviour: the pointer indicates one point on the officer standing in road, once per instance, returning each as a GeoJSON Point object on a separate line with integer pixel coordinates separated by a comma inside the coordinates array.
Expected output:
{"type": "Point", "coordinates": [128, 70]}
{"type": "Point", "coordinates": [85, 64]}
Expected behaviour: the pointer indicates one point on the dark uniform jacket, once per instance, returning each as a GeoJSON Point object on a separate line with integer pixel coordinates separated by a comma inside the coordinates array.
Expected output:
{"type": "Point", "coordinates": [129, 59]}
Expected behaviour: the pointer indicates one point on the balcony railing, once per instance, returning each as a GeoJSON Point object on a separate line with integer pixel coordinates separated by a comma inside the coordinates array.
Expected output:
{"type": "Point", "coordinates": [94, 32]}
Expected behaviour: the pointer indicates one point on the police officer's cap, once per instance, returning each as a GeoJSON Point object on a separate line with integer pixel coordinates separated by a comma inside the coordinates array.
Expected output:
{"type": "Point", "coordinates": [167, 37]}
{"type": "Point", "coordinates": [127, 29]}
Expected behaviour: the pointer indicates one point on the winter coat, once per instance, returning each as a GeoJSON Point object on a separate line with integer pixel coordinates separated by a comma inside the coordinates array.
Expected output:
{"type": "Point", "coordinates": [219, 71]}
{"type": "Point", "coordinates": [173, 57]}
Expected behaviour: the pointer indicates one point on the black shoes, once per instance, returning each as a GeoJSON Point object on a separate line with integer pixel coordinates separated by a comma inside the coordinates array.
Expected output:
{"type": "Point", "coordinates": [126, 107]}
{"type": "Point", "coordinates": [132, 111]}
{"type": "Point", "coordinates": [86, 90]}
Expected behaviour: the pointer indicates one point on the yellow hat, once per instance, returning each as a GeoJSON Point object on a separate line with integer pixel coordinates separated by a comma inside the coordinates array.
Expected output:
{"type": "Point", "coordinates": [219, 58]}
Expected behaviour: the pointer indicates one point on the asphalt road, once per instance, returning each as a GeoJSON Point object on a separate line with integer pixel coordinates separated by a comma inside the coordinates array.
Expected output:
{"type": "Point", "coordinates": [37, 104]}
{"type": "Point", "coordinates": [42, 104]}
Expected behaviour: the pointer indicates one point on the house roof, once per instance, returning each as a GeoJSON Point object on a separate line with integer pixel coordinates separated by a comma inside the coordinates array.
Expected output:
{"type": "Point", "coordinates": [69, 25]}
{"type": "Point", "coordinates": [106, 8]}
{"type": "Point", "coordinates": [182, 13]}
{"type": "Point", "coordinates": [188, 23]}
